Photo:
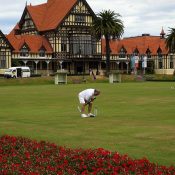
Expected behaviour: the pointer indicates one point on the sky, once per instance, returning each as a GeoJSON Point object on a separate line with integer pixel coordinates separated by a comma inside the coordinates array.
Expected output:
{"type": "Point", "coordinates": [138, 16]}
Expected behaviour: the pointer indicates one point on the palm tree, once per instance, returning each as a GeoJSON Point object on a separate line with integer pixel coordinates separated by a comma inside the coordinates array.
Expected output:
{"type": "Point", "coordinates": [170, 40]}
{"type": "Point", "coordinates": [108, 24]}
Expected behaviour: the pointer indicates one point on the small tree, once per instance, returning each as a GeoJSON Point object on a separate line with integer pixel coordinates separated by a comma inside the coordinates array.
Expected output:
{"type": "Point", "coordinates": [108, 24]}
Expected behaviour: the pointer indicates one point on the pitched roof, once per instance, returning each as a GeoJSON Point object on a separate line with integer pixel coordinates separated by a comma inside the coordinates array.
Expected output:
{"type": "Point", "coordinates": [6, 40]}
{"type": "Point", "coordinates": [49, 15]}
{"type": "Point", "coordinates": [142, 43]}
{"type": "Point", "coordinates": [34, 42]}
{"type": "Point", "coordinates": [37, 14]}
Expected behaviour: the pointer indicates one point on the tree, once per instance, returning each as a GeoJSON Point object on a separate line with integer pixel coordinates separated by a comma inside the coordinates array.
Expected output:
{"type": "Point", "coordinates": [170, 40]}
{"type": "Point", "coordinates": [108, 24]}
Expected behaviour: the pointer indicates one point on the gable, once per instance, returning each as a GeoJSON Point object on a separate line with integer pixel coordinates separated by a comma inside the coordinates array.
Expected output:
{"type": "Point", "coordinates": [81, 8]}
{"type": "Point", "coordinates": [51, 15]}
{"type": "Point", "coordinates": [56, 12]}
{"type": "Point", "coordinates": [80, 15]}
{"type": "Point", "coordinates": [4, 43]}
{"type": "Point", "coordinates": [32, 42]}
{"type": "Point", "coordinates": [24, 46]}
{"type": "Point", "coordinates": [27, 22]}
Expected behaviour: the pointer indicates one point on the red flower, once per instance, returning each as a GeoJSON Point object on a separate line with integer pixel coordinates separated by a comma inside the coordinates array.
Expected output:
{"type": "Point", "coordinates": [23, 156]}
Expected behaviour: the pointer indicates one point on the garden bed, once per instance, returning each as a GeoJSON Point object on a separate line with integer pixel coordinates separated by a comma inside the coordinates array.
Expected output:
{"type": "Point", "coordinates": [24, 156]}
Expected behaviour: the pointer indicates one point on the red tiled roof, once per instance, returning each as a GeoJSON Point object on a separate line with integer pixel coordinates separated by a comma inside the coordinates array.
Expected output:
{"type": "Point", "coordinates": [34, 42]}
{"type": "Point", "coordinates": [49, 15]}
{"type": "Point", "coordinates": [37, 13]}
{"type": "Point", "coordinates": [142, 43]}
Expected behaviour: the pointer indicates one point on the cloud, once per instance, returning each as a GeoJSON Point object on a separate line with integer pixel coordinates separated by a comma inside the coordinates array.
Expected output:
{"type": "Point", "coordinates": [138, 16]}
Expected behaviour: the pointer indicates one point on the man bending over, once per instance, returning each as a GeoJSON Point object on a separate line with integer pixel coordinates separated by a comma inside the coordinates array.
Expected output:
{"type": "Point", "coordinates": [87, 97]}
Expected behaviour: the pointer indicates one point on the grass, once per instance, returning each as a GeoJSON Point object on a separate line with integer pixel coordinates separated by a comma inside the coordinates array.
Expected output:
{"type": "Point", "coordinates": [133, 118]}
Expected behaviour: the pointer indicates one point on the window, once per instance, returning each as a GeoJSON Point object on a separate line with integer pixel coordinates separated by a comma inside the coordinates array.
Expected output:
{"type": "Point", "coordinates": [148, 53]}
{"type": "Point", "coordinates": [24, 52]}
{"type": "Point", "coordinates": [42, 52]}
{"type": "Point", "coordinates": [159, 52]}
{"type": "Point", "coordinates": [81, 45]}
{"type": "Point", "coordinates": [136, 52]}
{"type": "Point", "coordinates": [63, 44]}
{"type": "Point", "coordinates": [79, 18]}
{"type": "Point", "coordinates": [160, 64]}
{"type": "Point", "coordinates": [122, 53]}
{"type": "Point", "coordinates": [171, 62]}
{"type": "Point", "coordinates": [2, 59]}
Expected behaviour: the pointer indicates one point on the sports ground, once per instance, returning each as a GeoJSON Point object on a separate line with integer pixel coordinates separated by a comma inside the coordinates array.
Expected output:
{"type": "Point", "coordinates": [137, 119]}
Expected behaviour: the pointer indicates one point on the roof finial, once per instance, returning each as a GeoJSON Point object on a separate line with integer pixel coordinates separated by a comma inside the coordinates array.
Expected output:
{"type": "Point", "coordinates": [26, 3]}
{"type": "Point", "coordinates": [162, 33]}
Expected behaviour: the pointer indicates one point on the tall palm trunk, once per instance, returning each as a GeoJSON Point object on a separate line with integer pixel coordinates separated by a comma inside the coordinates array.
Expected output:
{"type": "Point", "coordinates": [107, 55]}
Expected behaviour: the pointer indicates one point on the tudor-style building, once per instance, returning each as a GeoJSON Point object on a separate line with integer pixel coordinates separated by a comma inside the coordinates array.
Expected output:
{"type": "Point", "coordinates": [56, 33]}
{"type": "Point", "coordinates": [5, 53]}
{"type": "Point", "coordinates": [154, 47]}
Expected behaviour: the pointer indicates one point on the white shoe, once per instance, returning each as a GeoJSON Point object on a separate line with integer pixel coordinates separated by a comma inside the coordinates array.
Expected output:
{"type": "Point", "coordinates": [91, 115]}
{"type": "Point", "coordinates": [84, 115]}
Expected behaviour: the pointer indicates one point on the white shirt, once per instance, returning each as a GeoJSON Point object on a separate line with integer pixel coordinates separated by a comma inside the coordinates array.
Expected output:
{"type": "Point", "coordinates": [87, 94]}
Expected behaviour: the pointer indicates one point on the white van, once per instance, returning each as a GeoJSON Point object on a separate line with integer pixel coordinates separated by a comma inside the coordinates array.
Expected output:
{"type": "Point", "coordinates": [17, 72]}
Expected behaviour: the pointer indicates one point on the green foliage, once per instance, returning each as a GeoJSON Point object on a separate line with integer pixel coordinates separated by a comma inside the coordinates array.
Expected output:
{"type": "Point", "coordinates": [154, 77]}
{"type": "Point", "coordinates": [109, 24]}
{"type": "Point", "coordinates": [170, 40]}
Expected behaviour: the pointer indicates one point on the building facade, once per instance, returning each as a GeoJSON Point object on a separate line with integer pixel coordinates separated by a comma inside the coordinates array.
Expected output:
{"type": "Point", "coordinates": [5, 53]}
{"type": "Point", "coordinates": [57, 35]}
{"type": "Point", "coordinates": [159, 60]}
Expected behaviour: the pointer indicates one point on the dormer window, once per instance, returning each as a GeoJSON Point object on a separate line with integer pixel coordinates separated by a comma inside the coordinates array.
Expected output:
{"type": "Point", "coordinates": [42, 52]}
{"type": "Point", "coordinates": [159, 52]}
{"type": "Point", "coordinates": [136, 52]}
{"type": "Point", "coordinates": [24, 52]}
{"type": "Point", "coordinates": [148, 53]}
{"type": "Point", "coordinates": [122, 53]}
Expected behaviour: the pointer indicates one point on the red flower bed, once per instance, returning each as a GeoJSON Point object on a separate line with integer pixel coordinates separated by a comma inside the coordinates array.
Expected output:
{"type": "Point", "coordinates": [23, 156]}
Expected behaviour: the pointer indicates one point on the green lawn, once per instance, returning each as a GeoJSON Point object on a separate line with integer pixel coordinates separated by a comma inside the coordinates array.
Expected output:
{"type": "Point", "coordinates": [137, 119]}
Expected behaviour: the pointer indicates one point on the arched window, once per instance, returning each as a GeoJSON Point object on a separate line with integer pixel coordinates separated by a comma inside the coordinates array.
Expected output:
{"type": "Point", "coordinates": [2, 59]}
{"type": "Point", "coordinates": [42, 52]}
{"type": "Point", "coordinates": [136, 52]}
{"type": "Point", "coordinates": [24, 52]}
{"type": "Point", "coordinates": [159, 52]}
{"type": "Point", "coordinates": [122, 53]}
{"type": "Point", "coordinates": [148, 53]}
